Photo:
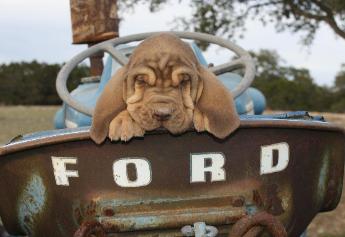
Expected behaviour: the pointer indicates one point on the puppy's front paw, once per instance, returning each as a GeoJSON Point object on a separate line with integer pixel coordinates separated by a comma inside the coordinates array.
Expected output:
{"type": "Point", "coordinates": [123, 128]}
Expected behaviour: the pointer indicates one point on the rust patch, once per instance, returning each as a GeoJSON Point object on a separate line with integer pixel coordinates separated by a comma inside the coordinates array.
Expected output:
{"type": "Point", "coordinates": [108, 212]}
{"type": "Point", "coordinates": [90, 229]}
{"type": "Point", "coordinates": [268, 199]}
{"type": "Point", "coordinates": [94, 21]}
{"type": "Point", "coordinates": [84, 211]}
{"type": "Point", "coordinates": [238, 202]}
{"type": "Point", "coordinates": [248, 226]}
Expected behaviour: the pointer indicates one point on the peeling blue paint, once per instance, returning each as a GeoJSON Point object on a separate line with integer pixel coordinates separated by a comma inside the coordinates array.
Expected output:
{"type": "Point", "coordinates": [323, 178]}
{"type": "Point", "coordinates": [31, 203]}
{"type": "Point", "coordinates": [251, 209]}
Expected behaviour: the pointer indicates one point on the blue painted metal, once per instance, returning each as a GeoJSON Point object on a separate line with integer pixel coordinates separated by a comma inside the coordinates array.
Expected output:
{"type": "Point", "coordinates": [31, 204]}
{"type": "Point", "coordinates": [259, 100]}
{"type": "Point", "coordinates": [244, 103]}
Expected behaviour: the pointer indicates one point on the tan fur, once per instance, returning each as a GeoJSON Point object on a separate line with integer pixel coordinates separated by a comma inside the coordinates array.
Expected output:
{"type": "Point", "coordinates": [163, 85]}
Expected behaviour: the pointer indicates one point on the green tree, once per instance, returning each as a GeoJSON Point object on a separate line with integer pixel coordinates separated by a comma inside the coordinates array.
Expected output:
{"type": "Point", "coordinates": [227, 17]}
{"type": "Point", "coordinates": [339, 91]}
{"type": "Point", "coordinates": [288, 88]}
{"type": "Point", "coordinates": [33, 83]}
{"type": "Point", "coordinates": [340, 78]}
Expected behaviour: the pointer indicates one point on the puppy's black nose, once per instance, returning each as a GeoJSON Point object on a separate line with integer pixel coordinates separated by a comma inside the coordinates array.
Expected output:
{"type": "Point", "coordinates": [161, 115]}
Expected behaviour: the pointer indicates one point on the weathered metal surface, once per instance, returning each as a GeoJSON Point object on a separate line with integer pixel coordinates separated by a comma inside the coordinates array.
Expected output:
{"type": "Point", "coordinates": [3, 232]}
{"type": "Point", "coordinates": [76, 134]}
{"type": "Point", "coordinates": [93, 20]}
{"type": "Point", "coordinates": [31, 203]}
{"type": "Point", "coordinates": [310, 183]}
{"type": "Point", "coordinates": [90, 229]}
{"type": "Point", "coordinates": [199, 229]}
{"type": "Point", "coordinates": [96, 63]}
{"type": "Point", "coordinates": [251, 222]}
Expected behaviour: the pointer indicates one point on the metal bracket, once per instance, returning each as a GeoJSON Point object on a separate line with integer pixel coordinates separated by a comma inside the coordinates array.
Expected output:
{"type": "Point", "coordinates": [199, 229]}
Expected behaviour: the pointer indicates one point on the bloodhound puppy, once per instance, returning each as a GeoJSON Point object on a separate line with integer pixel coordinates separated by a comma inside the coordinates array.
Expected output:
{"type": "Point", "coordinates": [163, 85]}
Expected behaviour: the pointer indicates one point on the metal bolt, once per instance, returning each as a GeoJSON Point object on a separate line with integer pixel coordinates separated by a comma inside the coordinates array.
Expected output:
{"type": "Point", "coordinates": [187, 231]}
{"type": "Point", "coordinates": [199, 229]}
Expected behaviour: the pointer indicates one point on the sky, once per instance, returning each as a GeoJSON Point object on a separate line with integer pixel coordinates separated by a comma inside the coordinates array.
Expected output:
{"type": "Point", "coordinates": [41, 30]}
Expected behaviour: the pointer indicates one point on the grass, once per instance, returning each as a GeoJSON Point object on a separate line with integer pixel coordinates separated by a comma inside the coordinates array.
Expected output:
{"type": "Point", "coordinates": [19, 120]}
{"type": "Point", "coordinates": [15, 120]}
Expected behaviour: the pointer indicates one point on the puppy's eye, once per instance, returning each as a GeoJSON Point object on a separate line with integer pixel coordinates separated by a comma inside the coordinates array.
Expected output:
{"type": "Point", "coordinates": [141, 78]}
{"type": "Point", "coordinates": [184, 77]}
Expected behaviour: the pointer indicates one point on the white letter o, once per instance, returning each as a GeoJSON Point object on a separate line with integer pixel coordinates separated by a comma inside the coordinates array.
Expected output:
{"type": "Point", "coordinates": [143, 169]}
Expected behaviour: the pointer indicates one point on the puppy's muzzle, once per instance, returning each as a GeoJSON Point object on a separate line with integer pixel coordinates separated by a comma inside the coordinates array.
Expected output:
{"type": "Point", "coordinates": [162, 114]}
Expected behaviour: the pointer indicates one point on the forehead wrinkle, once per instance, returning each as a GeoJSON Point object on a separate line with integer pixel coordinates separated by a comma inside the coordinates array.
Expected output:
{"type": "Point", "coordinates": [145, 62]}
{"type": "Point", "coordinates": [152, 64]}
{"type": "Point", "coordinates": [164, 59]}
{"type": "Point", "coordinates": [167, 83]}
{"type": "Point", "coordinates": [167, 73]}
{"type": "Point", "coordinates": [186, 62]}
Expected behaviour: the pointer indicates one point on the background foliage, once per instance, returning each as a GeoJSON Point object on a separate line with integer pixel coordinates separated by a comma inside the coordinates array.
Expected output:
{"type": "Point", "coordinates": [285, 87]}
{"type": "Point", "coordinates": [228, 18]}
{"type": "Point", "coordinates": [33, 83]}
{"type": "Point", "coordinates": [289, 88]}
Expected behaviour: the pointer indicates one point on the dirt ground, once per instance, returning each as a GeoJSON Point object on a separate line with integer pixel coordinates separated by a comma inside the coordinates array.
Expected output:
{"type": "Point", "coordinates": [15, 120]}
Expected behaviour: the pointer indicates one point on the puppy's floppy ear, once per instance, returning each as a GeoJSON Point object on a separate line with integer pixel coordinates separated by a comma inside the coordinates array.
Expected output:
{"type": "Point", "coordinates": [109, 104]}
{"type": "Point", "coordinates": [216, 104]}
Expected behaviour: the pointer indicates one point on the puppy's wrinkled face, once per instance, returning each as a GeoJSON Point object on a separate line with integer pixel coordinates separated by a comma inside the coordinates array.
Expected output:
{"type": "Point", "coordinates": [159, 92]}
{"type": "Point", "coordinates": [163, 85]}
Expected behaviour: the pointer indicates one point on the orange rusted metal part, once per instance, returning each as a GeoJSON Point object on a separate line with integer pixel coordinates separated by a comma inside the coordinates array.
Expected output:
{"type": "Point", "coordinates": [248, 226]}
{"type": "Point", "coordinates": [90, 229]}
{"type": "Point", "coordinates": [93, 20]}
{"type": "Point", "coordinates": [96, 62]}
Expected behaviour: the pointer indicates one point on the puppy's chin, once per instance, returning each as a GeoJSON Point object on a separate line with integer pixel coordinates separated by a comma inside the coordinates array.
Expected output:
{"type": "Point", "coordinates": [179, 122]}
{"type": "Point", "coordinates": [181, 119]}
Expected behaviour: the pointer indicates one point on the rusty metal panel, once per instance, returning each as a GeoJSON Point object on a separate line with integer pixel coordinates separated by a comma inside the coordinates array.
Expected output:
{"type": "Point", "coordinates": [35, 204]}
{"type": "Point", "coordinates": [93, 20]}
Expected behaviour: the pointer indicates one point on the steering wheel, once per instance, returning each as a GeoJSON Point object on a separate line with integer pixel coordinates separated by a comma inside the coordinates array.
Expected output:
{"type": "Point", "coordinates": [244, 61]}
